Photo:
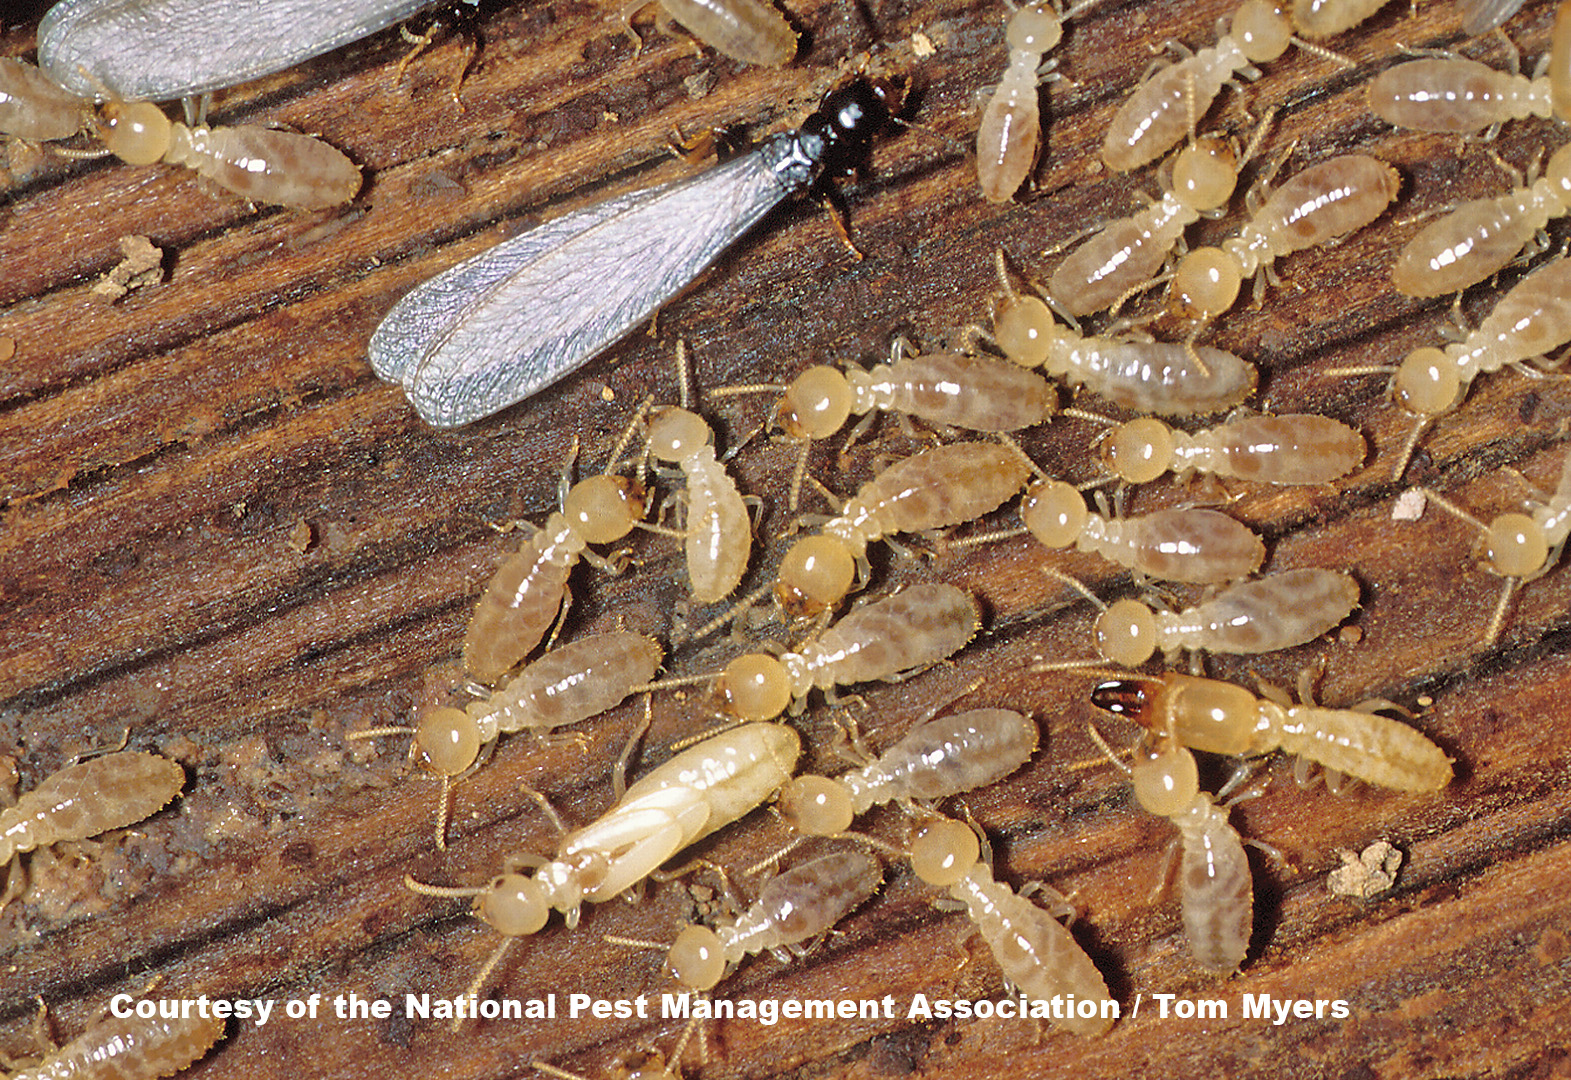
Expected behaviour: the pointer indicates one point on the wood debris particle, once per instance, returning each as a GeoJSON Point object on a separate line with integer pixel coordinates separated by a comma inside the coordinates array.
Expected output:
{"type": "Point", "coordinates": [141, 265]}
{"type": "Point", "coordinates": [1367, 873]}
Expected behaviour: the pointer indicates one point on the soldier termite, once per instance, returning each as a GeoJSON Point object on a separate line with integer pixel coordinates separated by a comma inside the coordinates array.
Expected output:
{"type": "Point", "coordinates": [1317, 205]}
{"type": "Point", "coordinates": [939, 487]}
{"type": "Point", "coordinates": [1521, 547]}
{"type": "Point", "coordinates": [1010, 137]}
{"type": "Point", "coordinates": [1481, 237]}
{"type": "Point", "coordinates": [680, 802]}
{"type": "Point", "coordinates": [1297, 448]}
{"type": "Point", "coordinates": [888, 639]}
{"type": "Point", "coordinates": [1220, 718]}
{"type": "Point", "coordinates": [747, 30]}
{"type": "Point", "coordinates": [33, 107]}
{"type": "Point", "coordinates": [1195, 545]}
{"type": "Point", "coordinates": [1172, 100]}
{"type": "Point", "coordinates": [1036, 953]}
{"type": "Point", "coordinates": [496, 328]}
{"type": "Point", "coordinates": [1217, 892]}
{"type": "Point", "coordinates": [1247, 618]}
{"type": "Point", "coordinates": [165, 49]}
{"type": "Point", "coordinates": [83, 800]}
{"type": "Point", "coordinates": [129, 1048]}
{"type": "Point", "coordinates": [944, 756]}
{"type": "Point", "coordinates": [794, 906]}
{"type": "Point", "coordinates": [1167, 378]}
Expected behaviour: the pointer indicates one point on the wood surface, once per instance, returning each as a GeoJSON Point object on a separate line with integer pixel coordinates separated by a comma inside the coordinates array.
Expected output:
{"type": "Point", "coordinates": [224, 539]}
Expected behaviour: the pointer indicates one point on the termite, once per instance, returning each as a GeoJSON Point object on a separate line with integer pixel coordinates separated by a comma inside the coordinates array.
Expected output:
{"type": "Point", "coordinates": [1198, 546]}
{"type": "Point", "coordinates": [1129, 252]}
{"type": "Point", "coordinates": [690, 796]}
{"type": "Point", "coordinates": [1169, 103]}
{"type": "Point", "coordinates": [941, 757]}
{"type": "Point", "coordinates": [1036, 953]}
{"type": "Point", "coordinates": [934, 489]}
{"type": "Point", "coordinates": [792, 907]}
{"type": "Point", "coordinates": [1247, 618]}
{"type": "Point", "coordinates": [1296, 448]}
{"type": "Point", "coordinates": [521, 600]}
{"type": "Point", "coordinates": [33, 107]}
{"type": "Point", "coordinates": [1482, 236]}
{"type": "Point", "coordinates": [718, 532]}
{"type": "Point", "coordinates": [166, 49]}
{"type": "Point", "coordinates": [1521, 547]}
{"type": "Point", "coordinates": [1458, 95]}
{"type": "Point", "coordinates": [1167, 378]}
{"type": "Point", "coordinates": [129, 1048]}
{"type": "Point", "coordinates": [256, 163]}
{"type": "Point", "coordinates": [1220, 718]}
{"type": "Point", "coordinates": [1317, 19]}
{"type": "Point", "coordinates": [83, 800]}
{"type": "Point", "coordinates": [747, 30]}
{"type": "Point", "coordinates": [910, 630]}
{"type": "Point", "coordinates": [1317, 205]}
{"type": "Point", "coordinates": [1010, 137]}
{"type": "Point", "coordinates": [1217, 891]}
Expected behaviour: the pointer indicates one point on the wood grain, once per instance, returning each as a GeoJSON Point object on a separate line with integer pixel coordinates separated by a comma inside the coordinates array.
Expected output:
{"type": "Point", "coordinates": [220, 534]}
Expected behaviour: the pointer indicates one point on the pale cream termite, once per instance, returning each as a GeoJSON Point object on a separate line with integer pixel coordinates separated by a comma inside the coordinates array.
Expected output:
{"type": "Point", "coordinates": [1171, 101]}
{"type": "Point", "coordinates": [1247, 618]}
{"type": "Point", "coordinates": [747, 30]}
{"type": "Point", "coordinates": [1480, 237]}
{"type": "Point", "coordinates": [698, 791]}
{"type": "Point", "coordinates": [1296, 448]}
{"type": "Point", "coordinates": [1010, 136]}
{"type": "Point", "coordinates": [1521, 547]}
{"type": "Point", "coordinates": [1167, 378]}
{"type": "Point", "coordinates": [1458, 95]}
{"type": "Point", "coordinates": [936, 488]}
{"type": "Point", "coordinates": [793, 907]}
{"type": "Point", "coordinates": [1036, 953]}
{"type": "Point", "coordinates": [912, 629]}
{"type": "Point", "coordinates": [1317, 205]}
{"type": "Point", "coordinates": [1124, 255]}
{"type": "Point", "coordinates": [1199, 546]}
{"type": "Point", "coordinates": [718, 532]}
{"type": "Point", "coordinates": [83, 800]}
{"type": "Point", "coordinates": [1317, 19]}
{"type": "Point", "coordinates": [256, 163]}
{"type": "Point", "coordinates": [521, 600]}
{"type": "Point", "coordinates": [129, 1048]}
{"type": "Point", "coordinates": [1216, 893]}
{"type": "Point", "coordinates": [1220, 718]}
{"type": "Point", "coordinates": [944, 756]}
{"type": "Point", "coordinates": [33, 107]}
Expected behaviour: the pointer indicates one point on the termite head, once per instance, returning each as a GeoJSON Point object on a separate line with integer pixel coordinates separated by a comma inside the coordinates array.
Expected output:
{"type": "Point", "coordinates": [1134, 699]}
{"type": "Point", "coordinates": [514, 905]}
{"type": "Point", "coordinates": [136, 132]}
{"type": "Point", "coordinates": [1516, 546]}
{"type": "Point", "coordinates": [1427, 382]}
{"type": "Point", "coordinates": [604, 508]}
{"type": "Point", "coordinates": [1262, 30]}
{"type": "Point", "coordinates": [944, 852]}
{"type": "Point", "coordinates": [1140, 451]}
{"type": "Point", "coordinates": [697, 958]}
{"type": "Point", "coordinates": [1165, 778]}
{"type": "Point", "coordinates": [1034, 28]}
{"type": "Point", "coordinates": [446, 742]}
{"type": "Point", "coordinates": [754, 686]}
{"type": "Point", "coordinates": [1126, 633]}
{"type": "Point", "coordinates": [815, 805]}
{"type": "Point", "coordinates": [1205, 284]}
{"type": "Point", "coordinates": [816, 573]}
{"type": "Point", "coordinates": [1205, 173]}
{"type": "Point", "coordinates": [815, 405]}
{"type": "Point", "coordinates": [1025, 329]}
{"type": "Point", "coordinates": [676, 434]}
{"type": "Point", "coordinates": [1054, 512]}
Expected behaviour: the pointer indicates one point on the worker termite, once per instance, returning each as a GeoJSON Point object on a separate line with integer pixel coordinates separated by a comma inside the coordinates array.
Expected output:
{"type": "Point", "coordinates": [33, 107]}
{"type": "Point", "coordinates": [1172, 100]}
{"type": "Point", "coordinates": [1317, 19]}
{"type": "Point", "coordinates": [792, 907]}
{"type": "Point", "coordinates": [496, 328]}
{"type": "Point", "coordinates": [1129, 252]}
{"type": "Point", "coordinates": [1036, 953]}
{"type": "Point", "coordinates": [1010, 137]}
{"type": "Point", "coordinates": [698, 791]}
{"type": "Point", "coordinates": [1220, 718]}
{"type": "Point", "coordinates": [1217, 895]}
{"type": "Point", "coordinates": [935, 759]}
{"type": "Point", "coordinates": [129, 1048]}
{"type": "Point", "coordinates": [1195, 545]}
{"type": "Point", "coordinates": [718, 533]}
{"type": "Point", "coordinates": [521, 600]}
{"type": "Point", "coordinates": [1457, 95]}
{"type": "Point", "coordinates": [1247, 618]}
{"type": "Point", "coordinates": [83, 800]}
{"type": "Point", "coordinates": [1317, 205]}
{"type": "Point", "coordinates": [1297, 448]}
{"type": "Point", "coordinates": [910, 630]}
{"type": "Point", "coordinates": [934, 489]}
{"type": "Point", "coordinates": [1521, 547]}
{"type": "Point", "coordinates": [747, 30]}
{"type": "Point", "coordinates": [1167, 378]}
{"type": "Point", "coordinates": [1481, 237]}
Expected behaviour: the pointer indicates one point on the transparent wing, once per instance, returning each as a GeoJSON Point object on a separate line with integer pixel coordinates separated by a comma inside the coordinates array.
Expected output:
{"type": "Point", "coordinates": [165, 49]}
{"type": "Point", "coordinates": [595, 276]}
{"type": "Point", "coordinates": [1482, 16]}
